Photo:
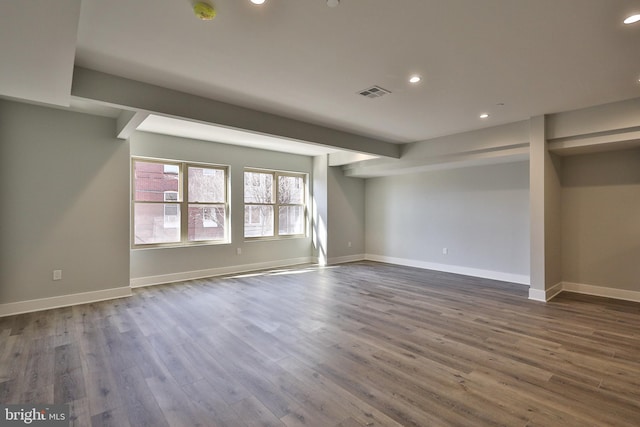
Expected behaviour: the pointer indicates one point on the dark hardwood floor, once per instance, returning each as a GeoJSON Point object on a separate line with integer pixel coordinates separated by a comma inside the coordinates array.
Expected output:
{"type": "Point", "coordinates": [362, 344]}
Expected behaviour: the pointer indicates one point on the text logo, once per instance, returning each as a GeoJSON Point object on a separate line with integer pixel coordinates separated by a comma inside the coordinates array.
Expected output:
{"type": "Point", "coordinates": [34, 415]}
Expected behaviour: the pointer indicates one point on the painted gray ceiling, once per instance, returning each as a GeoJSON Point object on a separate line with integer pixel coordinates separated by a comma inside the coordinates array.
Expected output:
{"type": "Point", "coordinates": [37, 48]}
{"type": "Point", "coordinates": [304, 60]}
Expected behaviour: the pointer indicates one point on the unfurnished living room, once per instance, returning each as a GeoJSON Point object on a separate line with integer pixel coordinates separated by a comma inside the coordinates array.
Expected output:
{"type": "Point", "coordinates": [320, 213]}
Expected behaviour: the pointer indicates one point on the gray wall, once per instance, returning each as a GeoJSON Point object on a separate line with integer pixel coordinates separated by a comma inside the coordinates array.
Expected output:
{"type": "Point", "coordinates": [64, 192]}
{"type": "Point", "coordinates": [553, 222]}
{"type": "Point", "coordinates": [65, 205]}
{"type": "Point", "coordinates": [346, 215]}
{"type": "Point", "coordinates": [481, 214]}
{"type": "Point", "coordinates": [164, 261]}
{"type": "Point", "coordinates": [601, 219]}
{"type": "Point", "coordinates": [319, 208]}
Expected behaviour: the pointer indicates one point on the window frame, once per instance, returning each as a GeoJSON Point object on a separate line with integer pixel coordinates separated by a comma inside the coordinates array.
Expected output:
{"type": "Point", "coordinates": [182, 202]}
{"type": "Point", "coordinates": [276, 204]}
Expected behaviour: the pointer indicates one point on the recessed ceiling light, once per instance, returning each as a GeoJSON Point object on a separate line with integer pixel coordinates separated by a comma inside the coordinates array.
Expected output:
{"type": "Point", "coordinates": [484, 116]}
{"type": "Point", "coordinates": [333, 3]}
{"type": "Point", "coordinates": [257, 1]}
{"type": "Point", "coordinates": [632, 19]}
{"type": "Point", "coordinates": [415, 79]}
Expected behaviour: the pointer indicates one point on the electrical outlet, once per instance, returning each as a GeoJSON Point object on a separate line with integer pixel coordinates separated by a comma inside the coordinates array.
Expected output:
{"type": "Point", "coordinates": [57, 274]}
{"type": "Point", "coordinates": [349, 244]}
{"type": "Point", "coordinates": [445, 251]}
{"type": "Point", "coordinates": [238, 251]}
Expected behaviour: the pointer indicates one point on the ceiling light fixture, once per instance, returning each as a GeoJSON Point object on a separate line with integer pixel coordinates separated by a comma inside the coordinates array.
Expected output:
{"type": "Point", "coordinates": [632, 19]}
{"type": "Point", "coordinates": [415, 79]}
{"type": "Point", "coordinates": [257, 1]}
{"type": "Point", "coordinates": [484, 116]}
{"type": "Point", "coordinates": [204, 11]}
{"type": "Point", "coordinates": [333, 3]}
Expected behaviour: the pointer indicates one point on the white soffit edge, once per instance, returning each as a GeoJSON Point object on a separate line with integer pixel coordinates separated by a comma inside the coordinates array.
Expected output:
{"type": "Point", "coordinates": [37, 47]}
{"type": "Point", "coordinates": [208, 132]}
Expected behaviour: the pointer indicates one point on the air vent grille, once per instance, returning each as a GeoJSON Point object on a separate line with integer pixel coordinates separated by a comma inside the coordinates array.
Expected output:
{"type": "Point", "coordinates": [374, 92]}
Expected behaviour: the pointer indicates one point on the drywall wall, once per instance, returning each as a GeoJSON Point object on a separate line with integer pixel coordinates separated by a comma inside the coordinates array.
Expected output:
{"type": "Point", "coordinates": [552, 226]}
{"type": "Point", "coordinates": [162, 264]}
{"type": "Point", "coordinates": [544, 201]}
{"type": "Point", "coordinates": [480, 214]}
{"type": "Point", "coordinates": [319, 209]}
{"type": "Point", "coordinates": [601, 219]}
{"type": "Point", "coordinates": [345, 217]}
{"type": "Point", "coordinates": [65, 203]}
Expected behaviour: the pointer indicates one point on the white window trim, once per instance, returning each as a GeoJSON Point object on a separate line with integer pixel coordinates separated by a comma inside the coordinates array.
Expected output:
{"type": "Point", "coordinates": [276, 205]}
{"type": "Point", "coordinates": [182, 202]}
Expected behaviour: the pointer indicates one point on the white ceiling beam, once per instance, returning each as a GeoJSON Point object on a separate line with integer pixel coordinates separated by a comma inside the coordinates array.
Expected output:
{"type": "Point", "coordinates": [128, 122]}
{"type": "Point", "coordinates": [599, 119]}
{"type": "Point", "coordinates": [130, 94]}
{"type": "Point", "coordinates": [595, 143]}
{"type": "Point", "coordinates": [498, 144]}
{"type": "Point", "coordinates": [341, 158]}
{"type": "Point", "coordinates": [373, 168]}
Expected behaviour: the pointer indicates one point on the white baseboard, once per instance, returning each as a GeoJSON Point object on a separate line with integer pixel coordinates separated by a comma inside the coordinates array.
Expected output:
{"type": "Point", "coordinates": [546, 295]}
{"type": "Point", "coordinates": [537, 295]}
{"type": "Point", "coordinates": [601, 291]}
{"type": "Point", "coordinates": [467, 271]}
{"type": "Point", "coordinates": [40, 304]}
{"type": "Point", "coordinates": [580, 288]}
{"type": "Point", "coordinates": [21, 307]}
{"type": "Point", "coordinates": [344, 259]}
{"type": "Point", "coordinates": [139, 282]}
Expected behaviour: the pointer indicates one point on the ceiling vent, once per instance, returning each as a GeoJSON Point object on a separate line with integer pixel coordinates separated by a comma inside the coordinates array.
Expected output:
{"type": "Point", "coordinates": [374, 92]}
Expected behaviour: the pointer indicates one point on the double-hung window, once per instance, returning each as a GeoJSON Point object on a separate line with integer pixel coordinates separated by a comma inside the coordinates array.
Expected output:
{"type": "Point", "coordinates": [177, 203]}
{"type": "Point", "coordinates": [274, 204]}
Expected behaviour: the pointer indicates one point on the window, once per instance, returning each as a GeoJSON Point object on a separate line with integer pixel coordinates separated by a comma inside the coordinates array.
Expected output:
{"type": "Point", "coordinates": [171, 212]}
{"type": "Point", "coordinates": [274, 204]}
{"type": "Point", "coordinates": [179, 203]}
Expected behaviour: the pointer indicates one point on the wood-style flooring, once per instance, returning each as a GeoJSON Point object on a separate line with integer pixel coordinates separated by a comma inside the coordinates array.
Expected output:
{"type": "Point", "coordinates": [361, 344]}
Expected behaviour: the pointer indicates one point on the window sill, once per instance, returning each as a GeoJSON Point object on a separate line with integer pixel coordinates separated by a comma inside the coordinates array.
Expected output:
{"type": "Point", "coordinates": [177, 245]}
{"type": "Point", "coordinates": [274, 238]}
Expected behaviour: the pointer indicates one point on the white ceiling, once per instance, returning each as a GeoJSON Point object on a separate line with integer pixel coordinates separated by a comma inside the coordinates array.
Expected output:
{"type": "Point", "coordinates": [304, 60]}
{"type": "Point", "coordinates": [207, 132]}
{"type": "Point", "coordinates": [37, 48]}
